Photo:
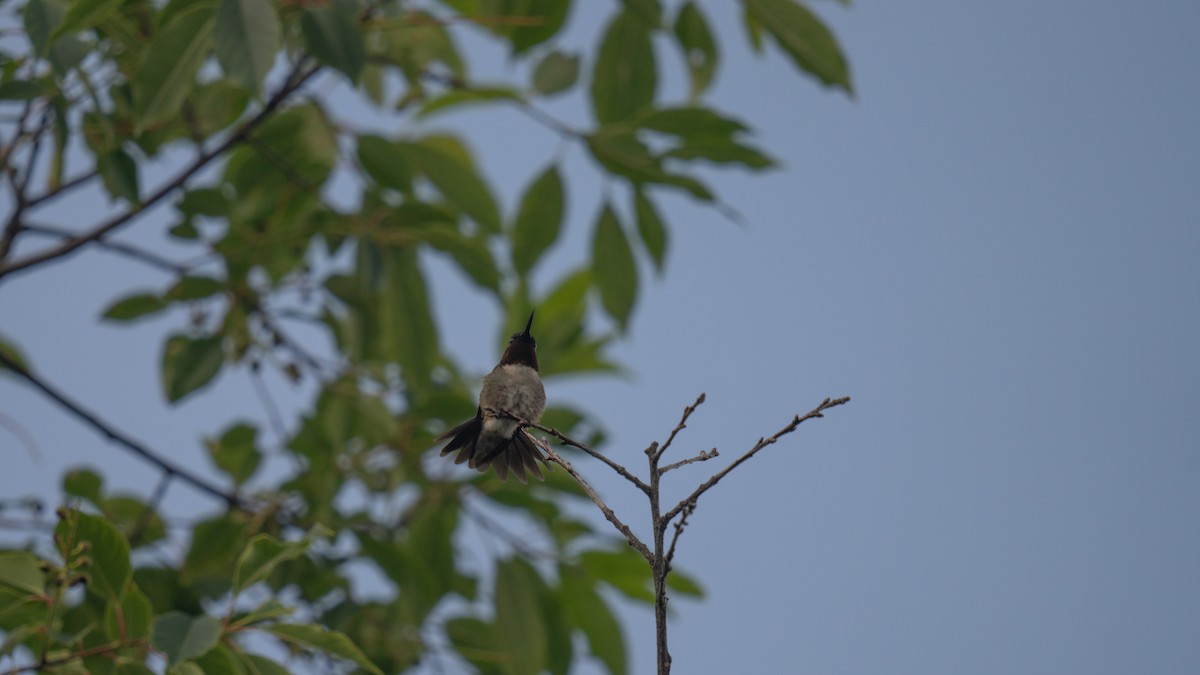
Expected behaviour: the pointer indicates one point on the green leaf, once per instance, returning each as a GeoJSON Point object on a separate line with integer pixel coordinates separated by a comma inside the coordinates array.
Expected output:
{"type": "Point", "coordinates": [169, 64]}
{"type": "Point", "coordinates": [10, 352]}
{"type": "Point", "coordinates": [133, 307]}
{"type": "Point", "coordinates": [181, 637]}
{"type": "Point", "coordinates": [263, 553]}
{"type": "Point", "coordinates": [406, 329]}
{"type": "Point", "coordinates": [333, 36]}
{"type": "Point", "coordinates": [193, 287]}
{"type": "Point", "coordinates": [722, 151]}
{"type": "Point", "coordinates": [83, 483]}
{"type": "Point", "coordinates": [133, 517]}
{"type": "Point", "coordinates": [625, 77]}
{"type": "Point", "coordinates": [624, 570]}
{"type": "Point", "coordinates": [23, 90]}
{"type": "Point", "coordinates": [804, 38]}
{"type": "Point", "coordinates": [476, 642]}
{"type": "Point", "coordinates": [595, 619]}
{"type": "Point", "coordinates": [519, 621]}
{"type": "Point", "coordinates": [651, 228]}
{"type": "Point", "coordinates": [327, 641]}
{"type": "Point", "coordinates": [22, 571]}
{"type": "Point", "coordinates": [110, 570]}
{"type": "Point", "coordinates": [555, 73]}
{"type": "Point", "coordinates": [470, 254]}
{"type": "Point", "coordinates": [42, 17]}
{"type": "Point", "coordinates": [236, 452]}
{"type": "Point", "coordinates": [132, 619]}
{"type": "Point", "coordinates": [120, 175]}
{"type": "Point", "coordinates": [699, 47]}
{"type": "Point", "coordinates": [613, 267]}
{"type": "Point", "coordinates": [650, 11]}
{"type": "Point", "coordinates": [457, 181]}
{"type": "Point", "coordinates": [248, 35]}
{"type": "Point", "coordinates": [222, 660]}
{"type": "Point", "coordinates": [216, 545]}
{"type": "Point", "coordinates": [684, 584]}
{"type": "Point", "coordinates": [83, 14]}
{"type": "Point", "coordinates": [539, 219]}
{"type": "Point", "coordinates": [544, 20]}
{"type": "Point", "coordinates": [384, 162]}
{"type": "Point", "coordinates": [625, 155]}
{"type": "Point", "coordinates": [189, 363]}
{"type": "Point", "coordinates": [474, 95]}
{"type": "Point", "coordinates": [691, 122]}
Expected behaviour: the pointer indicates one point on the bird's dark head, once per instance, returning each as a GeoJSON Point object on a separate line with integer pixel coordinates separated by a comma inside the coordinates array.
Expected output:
{"type": "Point", "coordinates": [522, 348]}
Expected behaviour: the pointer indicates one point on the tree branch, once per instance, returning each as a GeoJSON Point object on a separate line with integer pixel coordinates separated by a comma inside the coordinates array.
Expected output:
{"type": "Point", "coordinates": [298, 76]}
{"type": "Point", "coordinates": [762, 443]}
{"type": "Point", "coordinates": [133, 252]}
{"type": "Point", "coordinates": [138, 449]}
{"type": "Point", "coordinates": [704, 455]}
{"type": "Point", "coordinates": [687, 412]}
{"type": "Point", "coordinates": [632, 538]}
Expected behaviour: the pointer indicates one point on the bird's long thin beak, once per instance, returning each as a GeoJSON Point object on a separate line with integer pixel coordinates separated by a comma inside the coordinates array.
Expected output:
{"type": "Point", "coordinates": [528, 325]}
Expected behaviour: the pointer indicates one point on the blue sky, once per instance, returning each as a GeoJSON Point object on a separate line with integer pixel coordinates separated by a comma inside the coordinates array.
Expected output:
{"type": "Point", "coordinates": [993, 249]}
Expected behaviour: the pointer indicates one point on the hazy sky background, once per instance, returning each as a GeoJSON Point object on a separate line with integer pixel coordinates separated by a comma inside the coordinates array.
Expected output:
{"type": "Point", "coordinates": [994, 249]}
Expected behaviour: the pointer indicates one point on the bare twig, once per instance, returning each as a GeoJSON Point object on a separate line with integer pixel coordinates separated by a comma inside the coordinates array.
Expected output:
{"type": "Point", "coordinates": [762, 443]}
{"type": "Point", "coordinates": [632, 538]}
{"type": "Point", "coordinates": [566, 440]}
{"type": "Point", "coordinates": [300, 74]}
{"type": "Point", "coordinates": [687, 412]}
{"type": "Point", "coordinates": [704, 455]}
{"type": "Point", "coordinates": [687, 511]}
{"type": "Point", "coordinates": [138, 449]}
{"type": "Point", "coordinates": [64, 187]}
{"type": "Point", "coordinates": [127, 250]}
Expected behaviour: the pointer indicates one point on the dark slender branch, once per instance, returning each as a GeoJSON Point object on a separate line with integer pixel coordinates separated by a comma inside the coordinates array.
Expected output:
{"type": "Point", "coordinates": [147, 516]}
{"type": "Point", "coordinates": [66, 186]}
{"type": "Point", "coordinates": [566, 440]}
{"type": "Point", "coordinates": [762, 443]}
{"type": "Point", "coordinates": [687, 412]}
{"type": "Point", "coordinates": [632, 538]}
{"type": "Point", "coordinates": [704, 455]}
{"type": "Point", "coordinates": [298, 76]}
{"type": "Point", "coordinates": [19, 185]}
{"type": "Point", "coordinates": [127, 250]}
{"type": "Point", "coordinates": [687, 511]}
{"type": "Point", "coordinates": [138, 449]}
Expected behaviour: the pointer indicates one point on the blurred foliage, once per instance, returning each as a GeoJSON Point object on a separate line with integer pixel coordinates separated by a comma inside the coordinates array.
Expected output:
{"type": "Point", "coordinates": [103, 90]}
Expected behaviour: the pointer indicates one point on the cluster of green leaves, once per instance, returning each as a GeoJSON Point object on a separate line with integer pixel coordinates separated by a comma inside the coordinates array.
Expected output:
{"type": "Point", "coordinates": [130, 80]}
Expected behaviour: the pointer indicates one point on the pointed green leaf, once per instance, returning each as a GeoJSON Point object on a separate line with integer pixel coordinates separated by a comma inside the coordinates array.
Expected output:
{"type": "Point", "coordinates": [194, 287]}
{"type": "Point", "coordinates": [248, 35]}
{"type": "Point", "coordinates": [804, 38]}
{"type": "Point", "coordinates": [134, 307]}
{"type": "Point", "coordinates": [519, 621]}
{"type": "Point", "coordinates": [22, 571]}
{"type": "Point", "coordinates": [261, 556]}
{"type": "Point", "coordinates": [468, 96]}
{"type": "Point", "coordinates": [327, 641]}
{"type": "Point", "coordinates": [169, 64]}
{"type": "Point", "coordinates": [649, 11]}
{"type": "Point", "coordinates": [699, 47]}
{"type": "Point", "coordinates": [23, 90]}
{"type": "Point", "coordinates": [592, 615]}
{"type": "Point", "coordinates": [42, 17]}
{"type": "Point", "coordinates": [181, 637]}
{"type": "Point", "coordinates": [625, 76]}
{"type": "Point", "coordinates": [83, 483]}
{"type": "Point", "coordinates": [457, 181]}
{"type": "Point", "coordinates": [613, 267]}
{"type": "Point", "coordinates": [333, 36]}
{"type": "Point", "coordinates": [120, 175]}
{"type": "Point", "coordinates": [543, 20]}
{"type": "Point", "coordinates": [131, 619]}
{"type": "Point", "coordinates": [110, 570]}
{"type": "Point", "coordinates": [407, 334]}
{"type": "Point", "coordinates": [83, 14]}
{"type": "Point", "coordinates": [555, 73]}
{"type": "Point", "coordinates": [650, 227]}
{"type": "Point", "coordinates": [722, 151]}
{"type": "Point", "coordinates": [624, 570]}
{"type": "Point", "coordinates": [472, 255]}
{"type": "Point", "coordinates": [539, 220]}
{"type": "Point", "coordinates": [189, 363]}
{"type": "Point", "coordinates": [236, 452]}
{"type": "Point", "coordinates": [684, 584]}
{"type": "Point", "coordinates": [384, 162]}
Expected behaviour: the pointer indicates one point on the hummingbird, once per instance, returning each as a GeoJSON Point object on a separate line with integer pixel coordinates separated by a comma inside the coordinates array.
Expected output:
{"type": "Point", "coordinates": [489, 439]}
